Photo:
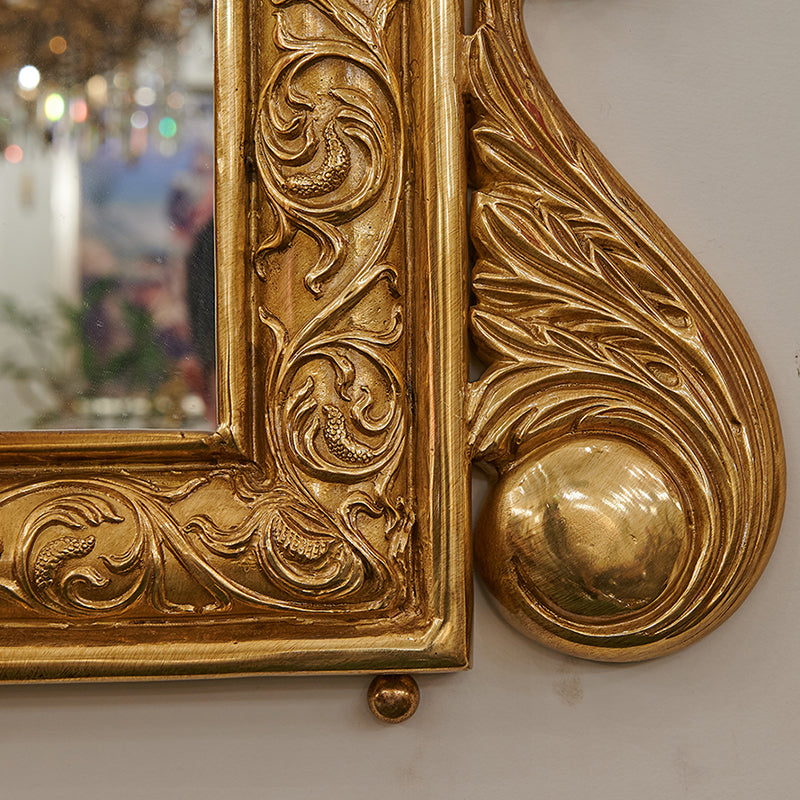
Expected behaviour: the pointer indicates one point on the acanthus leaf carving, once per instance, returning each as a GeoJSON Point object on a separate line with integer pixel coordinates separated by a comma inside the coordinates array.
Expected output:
{"type": "Point", "coordinates": [605, 344]}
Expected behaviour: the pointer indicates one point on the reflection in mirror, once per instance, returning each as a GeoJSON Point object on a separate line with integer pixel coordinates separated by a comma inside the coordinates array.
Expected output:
{"type": "Point", "coordinates": [106, 230]}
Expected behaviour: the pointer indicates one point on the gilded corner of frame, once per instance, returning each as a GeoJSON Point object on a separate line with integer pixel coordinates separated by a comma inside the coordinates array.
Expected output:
{"type": "Point", "coordinates": [301, 535]}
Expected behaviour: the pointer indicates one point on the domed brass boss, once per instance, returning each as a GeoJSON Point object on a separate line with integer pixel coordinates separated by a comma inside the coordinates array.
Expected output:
{"type": "Point", "coordinates": [588, 533]}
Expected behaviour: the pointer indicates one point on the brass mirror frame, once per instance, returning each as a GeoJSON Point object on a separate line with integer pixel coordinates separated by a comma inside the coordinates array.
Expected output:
{"type": "Point", "coordinates": [278, 543]}
{"type": "Point", "coordinates": [325, 525]}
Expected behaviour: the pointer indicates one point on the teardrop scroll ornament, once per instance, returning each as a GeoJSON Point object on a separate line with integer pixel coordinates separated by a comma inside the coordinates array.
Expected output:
{"type": "Point", "coordinates": [638, 444]}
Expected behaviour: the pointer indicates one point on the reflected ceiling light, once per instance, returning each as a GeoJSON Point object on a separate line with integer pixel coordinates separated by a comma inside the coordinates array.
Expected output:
{"type": "Point", "coordinates": [168, 148]}
{"type": "Point", "coordinates": [97, 89]}
{"type": "Point", "coordinates": [28, 77]}
{"type": "Point", "coordinates": [54, 107]}
{"type": "Point", "coordinates": [57, 45]}
{"type": "Point", "coordinates": [90, 31]}
{"type": "Point", "coordinates": [176, 100]}
{"type": "Point", "coordinates": [13, 154]}
{"type": "Point", "coordinates": [139, 119]}
{"type": "Point", "coordinates": [144, 96]}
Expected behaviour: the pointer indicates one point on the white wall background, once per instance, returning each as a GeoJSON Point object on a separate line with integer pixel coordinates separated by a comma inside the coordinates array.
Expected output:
{"type": "Point", "coordinates": [38, 247]}
{"type": "Point", "coordinates": [696, 102]}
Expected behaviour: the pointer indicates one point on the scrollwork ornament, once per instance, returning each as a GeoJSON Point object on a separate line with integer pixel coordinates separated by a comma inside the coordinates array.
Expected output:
{"type": "Point", "coordinates": [328, 154]}
{"type": "Point", "coordinates": [69, 558]}
{"type": "Point", "coordinates": [304, 142]}
{"type": "Point", "coordinates": [334, 394]}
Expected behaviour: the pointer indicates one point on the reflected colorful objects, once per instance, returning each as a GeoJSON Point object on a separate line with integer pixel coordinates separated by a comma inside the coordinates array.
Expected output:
{"type": "Point", "coordinates": [13, 154]}
{"type": "Point", "coordinates": [78, 110]}
{"type": "Point", "coordinates": [115, 137]}
{"type": "Point", "coordinates": [28, 78]}
{"type": "Point", "coordinates": [54, 107]}
{"type": "Point", "coordinates": [167, 127]}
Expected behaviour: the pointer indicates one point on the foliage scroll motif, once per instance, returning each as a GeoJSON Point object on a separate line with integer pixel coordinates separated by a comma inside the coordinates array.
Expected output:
{"type": "Point", "coordinates": [305, 112]}
{"type": "Point", "coordinates": [330, 150]}
{"type": "Point", "coordinates": [281, 556]}
{"type": "Point", "coordinates": [321, 527]}
{"type": "Point", "coordinates": [600, 330]}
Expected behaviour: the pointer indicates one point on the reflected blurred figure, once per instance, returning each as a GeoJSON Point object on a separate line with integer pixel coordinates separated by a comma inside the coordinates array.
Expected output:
{"type": "Point", "coordinates": [199, 372]}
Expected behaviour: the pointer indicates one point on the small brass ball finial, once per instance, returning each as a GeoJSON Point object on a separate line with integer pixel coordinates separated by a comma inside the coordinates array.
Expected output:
{"type": "Point", "coordinates": [393, 698]}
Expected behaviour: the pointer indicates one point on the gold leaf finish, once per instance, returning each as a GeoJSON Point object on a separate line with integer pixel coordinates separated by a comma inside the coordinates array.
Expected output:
{"type": "Point", "coordinates": [623, 405]}
{"type": "Point", "coordinates": [328, 375]}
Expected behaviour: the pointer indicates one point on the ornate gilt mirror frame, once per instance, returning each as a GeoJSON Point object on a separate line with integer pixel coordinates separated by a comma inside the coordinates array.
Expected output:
{"type": "Point", "coordinates": [325, 525]}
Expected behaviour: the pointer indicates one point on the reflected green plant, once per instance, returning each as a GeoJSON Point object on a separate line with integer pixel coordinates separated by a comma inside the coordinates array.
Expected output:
{"type": "Point", "coordinates": [55, 366]}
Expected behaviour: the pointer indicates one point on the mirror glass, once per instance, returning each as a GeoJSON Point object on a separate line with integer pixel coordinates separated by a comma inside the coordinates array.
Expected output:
{"type": "Point", "coordinates": [106, 227]}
